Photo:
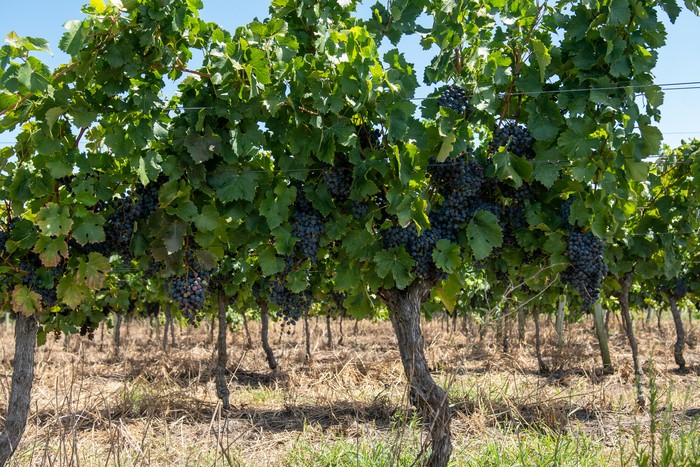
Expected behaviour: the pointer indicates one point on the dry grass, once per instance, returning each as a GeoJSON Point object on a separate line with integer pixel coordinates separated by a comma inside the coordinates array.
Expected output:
{"type": "Point", "coordinates": [153, 407]}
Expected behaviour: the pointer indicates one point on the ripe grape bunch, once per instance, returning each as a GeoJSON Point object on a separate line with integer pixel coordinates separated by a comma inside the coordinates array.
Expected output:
{"type": "Point", "coordinates": [587, 269]}
{"type": "Point", "coordinates": [566, 211]}
{"type": "Point", "coordinates": [679, 288]}
{"type": "Point", "coordinates": [126, 212]}
{"type": "Point", "coordinates": [369, 137]}
{"type": "Point", "coordinates": [418, 246]}
{"type": "Point", "coordinates": [40, 280]}
{"type": "Point", "coordinates": [455, 98]}
{"type": "Point", "coordinates": [515, 138]}
{"type": "Point", "coordinates": [292, 305]}
{"type": "Point", "coordinates": [189, 290]}
{"type": "Point", "coordinates": [338, 178]}
{"type": "Point", "coordinates": [307, 226]}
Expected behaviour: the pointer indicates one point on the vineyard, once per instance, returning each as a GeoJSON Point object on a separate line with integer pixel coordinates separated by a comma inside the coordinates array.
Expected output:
{"type": "Point", "coordinates": [514, 254]}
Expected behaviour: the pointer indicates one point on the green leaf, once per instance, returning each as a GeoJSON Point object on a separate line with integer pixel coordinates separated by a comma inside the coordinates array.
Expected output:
{"type": "Point", "coordinates": [174, 236]}
{"type": "Point", "coordinates": [636, 170]}
{"type": "Point", "coordinates": [446, 148]}
{"type": "Point", "coordinates": [35, 80]}
{"type": "Point", "coordinates": [484, 234]}
{"type": "Point", "coordinates": [620, 13]}
{"type": "Point", "coordinates": [25, 301]}
{"type": "Point", "coordinates": [54, 220]}
{"type": "Point", "coordinates": [70, 292]}
{"type": "Point", "coordinates": [209, 220]}
{"type": "Point", "coordinates": [542, 56]}
{"type": "Point", "coordinates": [231, 186]}
{"type": "Point", "coordinates": [544, 119]}
{"type": "Point", "coordinates": [51, 250]}
{"type": "Point", "coordinates": [99, 6]}
{"type": "Point", "coordinates": [202, 147]}
{"type": "Point", "coordinates": [88, 229]}
{"type": "Point", "coordinates": [93, 272]}
{"type": "Point", "coordinates": [510, 167]}
{"type": "Point", "coordinates": [270, 263]}
{"type": "Point", "coordinates": [447, 255]}
{"type": "Point", "coordinates": [396, 262]}
{"type": "Point", "coordinates": [73, 39]}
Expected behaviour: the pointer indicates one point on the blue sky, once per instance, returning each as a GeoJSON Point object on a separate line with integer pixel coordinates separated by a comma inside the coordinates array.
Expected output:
{"type": "Point", "coordinates": [679, 60]}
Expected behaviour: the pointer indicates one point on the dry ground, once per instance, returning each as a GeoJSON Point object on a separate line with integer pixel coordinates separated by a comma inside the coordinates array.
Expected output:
{"type": "Point", "coordinates": [347, 406]}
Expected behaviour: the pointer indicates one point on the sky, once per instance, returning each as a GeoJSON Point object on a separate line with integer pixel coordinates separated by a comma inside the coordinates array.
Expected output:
{"type": "Point", "coordinates": [679, 60]}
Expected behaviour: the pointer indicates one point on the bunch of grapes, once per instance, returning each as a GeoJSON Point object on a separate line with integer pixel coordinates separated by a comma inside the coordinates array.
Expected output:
{"type": "Point", "coordinates": [6, 233]}
{"type": "Point", "coordinates": [369, 137]}
{"type": "Point", "coordinates": [359, 209]}
{"type": "Point", "coordinates": [189, 290]}
{"type": "Point", "coordinates": [292, 305]}
{"type": "Point", "coordinates": [515, 138]}
{"type": "Point", "coordinates": [126, 212]}
{"type": "Point", "coordinates": [566, 211]}
{"type": "Point", "coordinates": [338, 178]}
{"type": "Point", "coordinates": [39, 279]}
{"type": "Point", "coordinates": [307, 226]}
{"type": "Point", "coordinates": [455, 98]}
{"type": "Point", "coordinates": [419, 247]}
{"type": "Point", "coordinates": [679, 288]}
{"type": "Point", "coordinates": [587, 270]}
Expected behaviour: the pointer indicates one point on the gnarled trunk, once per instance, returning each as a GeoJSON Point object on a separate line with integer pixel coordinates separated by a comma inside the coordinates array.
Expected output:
{"type": "Point", "coordinates": [538, 343]}
{"type": "Point", "coordinates": [429, 398]}
{"type": "Point", "coordinates": [249, 340]}
{"type": "Point", "coordinates": [599, 321]}
{"type": "Point", "coordinates": [21, 393]}
{"type": "Point", "coordinates": [265, 324]}
{"type": "Point", "coordinates": [626, 283]}
{"type": "Point", "coordinates": [222, 356]}
{"type": "Point", "coordinates": [329, 333]}
{"type": "Point", "coordinates": [680, 334]}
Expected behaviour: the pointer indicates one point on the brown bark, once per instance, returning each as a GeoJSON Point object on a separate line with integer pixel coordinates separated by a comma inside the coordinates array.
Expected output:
{"type": "Point", "coordinates": [521, 324]}
{"type": "Point", "coordinates": [680, 334]}
{"type": "Point", "coordinates": [222, 357]}
{"type": "Point", "coordinates": [117, 333]}
{"type": "Point", "coordinates": [21, 392]}
{"type": "Point", "coordinates": [603, 344]}
{"type": "Point", "coordinates": [429, 399]}
{"type": "Point", "coordinates": [168, 324]}
{"type": "Point", "coordinates": [307, 336]}
{"type": "Point", "coordinates": [329, 333]}
{"type": "Point", "coordinates": [538, 346]}
{"type": "Point", "coordinates": [265, 324]}
{"type": "Point", "coordinates": [626, 283]}
{"type": "Point", "coordinates": [249, 340]}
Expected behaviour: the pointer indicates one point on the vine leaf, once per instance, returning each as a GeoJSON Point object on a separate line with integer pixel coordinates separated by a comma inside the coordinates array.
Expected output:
{"type": "Point", "coordinates": [89, 229]}
{"type": "Point", "coordinates": [396, 262]}
{"type": "Point", "coordinates": [51, 250]}
{"type": "Point", "coordinates": [447, 255]}
{"type": "Point", "coordinates": [484, 234]}
{"type": "Point", "coordinates": [54, 220]}
{"type": "Point", "coordinates": [72, 40]}
{"type": "Point", "coordinates": [71, 292]}
{"type": "Point", "coordinates": [202, 147]}
{"type": "Point", "coordinates": [174, 235]}
{"type": "Point", "coordinates": [25, 301]}
{"type": "Point", "coordinates": [93, 272]}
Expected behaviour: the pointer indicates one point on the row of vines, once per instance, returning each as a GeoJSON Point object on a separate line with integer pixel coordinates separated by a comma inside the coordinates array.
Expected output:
{"type": "Point", "coordinates": [296, 168]}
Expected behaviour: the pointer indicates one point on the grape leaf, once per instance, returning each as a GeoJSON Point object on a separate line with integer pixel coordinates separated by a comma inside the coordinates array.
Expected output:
{"type": "Point", "coordinates": [93, 272]}
{"type": "Point", "coordinates": [54, 220]}
{"type": "Point", "coordinates": [396, 262]}
{"type": "Point", "coordinates": [484, 234]}
{"type": "Point", "coordinates": [25, 301]}
{"type": "Point", "coordinates": [70, 292]}
{"type": "Point", "coordinates": [51, 250]}
{"type": "Point", "coordinates": [447, 255]}
{"type": "Point", "coordinates": [88, 229]}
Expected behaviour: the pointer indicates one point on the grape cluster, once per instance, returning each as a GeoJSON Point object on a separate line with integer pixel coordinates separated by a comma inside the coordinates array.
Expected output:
{"type": "Point", "coordinates": [189, 290]}
{"type": "Point", "coordinates": [515, 138]}
{"type": "Point", "coordinates": [460, 182]}
{"type": "Point", "coordinates": [338, 178]}
{"type": "Point", "coordinates": [359, 209]}
{"type": "Point", "coordinates": [6, 233]}
{"type": "Point", "coordinates": [566, 211]}
{"type": "Point", "coordinates": [40, 280]}
{"type": "Point", "coordinates": [678, 288]}
{"type": "Point", "coordinates": [125, 212]}
{"type": "Point", "coordinates": [587, 270]}
{"type": "Point", "coordinates": [418, 246]}
{"type": "Point", "coordinates": [369, 137]}
{"type": "Point", "coordinates": [307, 226]}
{"type": "Point", "coordinates": [292, 305]}
{"type": "Point", "coordinates": [455, 98]}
